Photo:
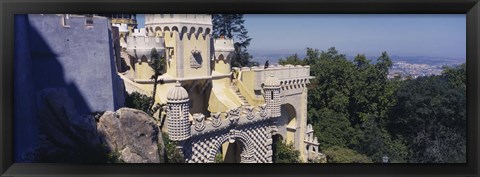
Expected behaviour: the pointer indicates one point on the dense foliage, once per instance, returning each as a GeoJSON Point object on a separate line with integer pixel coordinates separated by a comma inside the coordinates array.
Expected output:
{"type": "Point", "coordinates": [172, 153]}
{"type": "Point", "coordinates": [138, 101]}
{"type": "Point", "coordinates": [430, 115]}
{"type": "Point", "coordinates": [284, 153]}
{"type": "Point", "coordinates": [337, 154]}
{"type": "Point", "coordinates": [359, 115]}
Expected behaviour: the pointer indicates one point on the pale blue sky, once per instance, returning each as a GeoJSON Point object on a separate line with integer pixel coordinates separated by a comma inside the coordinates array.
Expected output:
{"type": "Point", "coordinates": [406, 35]}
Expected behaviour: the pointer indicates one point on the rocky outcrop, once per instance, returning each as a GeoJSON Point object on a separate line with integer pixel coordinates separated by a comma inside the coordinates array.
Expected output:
{"type": "Point", "coordinates": [67, 137]}
{"type": "Point", "coordinates": [133, 134]}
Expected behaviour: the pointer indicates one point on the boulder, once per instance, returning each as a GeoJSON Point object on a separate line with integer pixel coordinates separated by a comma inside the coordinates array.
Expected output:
{"type": "Point", "coordinates": [133, 134]}
{"type": "Point", "coordinates": [67, 137]}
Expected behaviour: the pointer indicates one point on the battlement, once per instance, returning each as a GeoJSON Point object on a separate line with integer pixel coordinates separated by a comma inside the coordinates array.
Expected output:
{"type": "Point", "coordinates": [222, 120]}
{"type": "Point", "coordinates": [141, 46]}
{"type": "Point", "coordinates": [139, 32]}
{"type": "Point", "coordinates": [223, 45]}
{"type": "Point", "coordinates": [182, 23]}
{"type": "Point", "coordinates": [290, 76]}
{"type": "Point", "coordinates": [160, 19]}
{"type": "Point", "coordinates": [68, 20]}
{"type": "Point", "coordinates": [122, 27]}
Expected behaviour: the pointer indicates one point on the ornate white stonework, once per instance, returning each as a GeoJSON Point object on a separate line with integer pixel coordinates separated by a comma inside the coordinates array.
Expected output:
{"type": "Point", "coordinates": [272, 95]}
{"type": "Point", "coordinates": [177, 113]}
{"type": "Point", "coordinates": [243, 107]}
{"type": "Point", "coordinates": [183, 23]}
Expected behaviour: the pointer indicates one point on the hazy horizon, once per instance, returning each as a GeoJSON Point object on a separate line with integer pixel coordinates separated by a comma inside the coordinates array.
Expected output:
{"type": "Point", "coordinates": [429, 35]}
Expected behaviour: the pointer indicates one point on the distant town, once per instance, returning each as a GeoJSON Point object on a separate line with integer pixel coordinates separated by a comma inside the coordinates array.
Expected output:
{"type": "Point", "coordinates": [404, 70]}
{"type": "Point", "coordinates": [403, 67]}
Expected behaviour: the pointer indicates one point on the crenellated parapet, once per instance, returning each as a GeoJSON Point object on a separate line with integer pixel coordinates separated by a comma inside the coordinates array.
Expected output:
{"type": "Point", "coordinates": [292, 78]}
{"type": "Point", "coordinates": [224, 48]}
{"type": "Point", "coordinates": [122, 27]}
{"type": "Point", "coordinates": [158, 24]}
{"type": "Point", "coordinates": [140, 46]}
{"type": "Point", "coordinates": [226, 120]}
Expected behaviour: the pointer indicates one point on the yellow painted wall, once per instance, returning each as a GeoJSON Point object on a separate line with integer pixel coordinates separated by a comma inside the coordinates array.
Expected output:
{"type": "Point", "coordinates": [291, 130]}
{"type": "Point", "coordinates": [200, 43]}
{"type": "Point", "coordinates": [222, 66]}
{"type": "Point", "coordinates": [222, 100]}
{"type": "Point", "coordinates": [170, 41]}
{"type": "Point", "coordinates": [248, 78]}
{"type": "Point", "coordinates": [143, 70]}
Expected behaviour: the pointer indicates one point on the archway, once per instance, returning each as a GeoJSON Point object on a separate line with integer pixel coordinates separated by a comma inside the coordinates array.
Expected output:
{"type": "Point", "coordinates": [289, 115]}
{"type": "Point", "coordinates": [232, 152]}
{"type": "Point", "coordinates": [234, 146]}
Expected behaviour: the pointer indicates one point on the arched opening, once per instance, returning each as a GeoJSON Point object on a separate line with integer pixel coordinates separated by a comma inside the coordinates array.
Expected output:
{"type": "Point", "coordinates": [158, 32]}
{"type": "Point", "coordinates": [192, 30]}
{"type": "Point", "coordinates": [199, 31]}
{"type": "Point", "coordinates": [175, 28]}
{"type": "Point", "coordinates": [158, 28]}
{"type": "Point", "coordinates": [184, 29]}
{"type": "Point", "coordinates": [166, 28]}
{"type": "Point", "coordinates": [290, 122]}
{"type": "Point", "coordinates": [275, 139]}
{"type": "Point", "coordinates": [207, 31]}
{"type": "Point", "coordinates": [231, 152]}
{"type": "Point", "coordinates": [220, 57]}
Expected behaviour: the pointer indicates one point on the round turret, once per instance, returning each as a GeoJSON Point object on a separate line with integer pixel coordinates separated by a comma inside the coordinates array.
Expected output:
{"type": "Point", "coordinates": [177, 94]}
{"type": "Point", "coordinates": [178, 113]}
{"type": "Point", "coordinates": [272, 81]}
{"type": "Point", "coordinates": [182, 23]}
{"type": "Point", "coordinates": [271, 88]}
{"type": "Point", "coordinates": [224, 51]}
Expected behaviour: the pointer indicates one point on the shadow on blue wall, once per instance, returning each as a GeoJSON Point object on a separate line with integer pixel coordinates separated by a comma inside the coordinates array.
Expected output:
{"type": "Point", "coordinates": [36, 70]}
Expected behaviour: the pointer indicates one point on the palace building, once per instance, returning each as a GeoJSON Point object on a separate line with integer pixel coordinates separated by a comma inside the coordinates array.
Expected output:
{"type": "Point", "coordinates": [212, 108]}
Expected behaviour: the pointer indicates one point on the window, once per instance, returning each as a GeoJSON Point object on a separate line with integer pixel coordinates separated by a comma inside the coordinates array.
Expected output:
{"type": "Point", "coordinates": [89, 20]}
{"type": "Point", "coordinates": [65, 20]}
{"type": "Point", "coordinates": [271, 95]}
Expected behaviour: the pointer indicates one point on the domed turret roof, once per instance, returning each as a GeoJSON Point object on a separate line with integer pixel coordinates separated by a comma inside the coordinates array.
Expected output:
{"type": "Point", "coordinates": [177, 93]}
{"type": "Point", "coordinates": [272, 81]}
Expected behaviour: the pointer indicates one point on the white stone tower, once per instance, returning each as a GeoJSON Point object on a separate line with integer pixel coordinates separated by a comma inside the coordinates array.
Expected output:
{"type": "Point", "coordinates": [178, 113]}
{"type": "Point", "coordinates": [222, 59]}
{"type": "Point", "coordinates": [271, 89]}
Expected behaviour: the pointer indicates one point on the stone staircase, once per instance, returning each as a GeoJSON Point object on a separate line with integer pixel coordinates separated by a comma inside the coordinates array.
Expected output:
{"type": "Point", "coordinates": [237, 92]}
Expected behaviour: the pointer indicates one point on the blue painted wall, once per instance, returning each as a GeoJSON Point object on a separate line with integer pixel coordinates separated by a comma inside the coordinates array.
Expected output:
{"type": "Point", "coordinates": [75, 56]}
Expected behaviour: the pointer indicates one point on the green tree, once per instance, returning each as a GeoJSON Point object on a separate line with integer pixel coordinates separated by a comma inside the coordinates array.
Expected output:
{"type": "Point", "coordinates": [332, 128]}
{"type": "Point", "coordinates": [312, 56]}
{"type": "Point", "coordinates": [284, 153]}
{"type": "Point", "coordinates": [456, 75]}
{"type": "Point", "coordinates": [338, 154]}
{"type": "Point", "coordinates": [293, 60]}
{"type": "Point", "coordinates": [171, 153]}
{"type": "Point", "coordinates": [431, 116]}
{"type": "Point", "coordinates": [232, 26]}
{"type": "Point", "coordinates": [138, 101]}
{"type": "Point", "coordinates": [158, 66]}
{"type": "Point", "coordinates": [143, 102]}
{"type": "Point", "coordinates": [349, 102]}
